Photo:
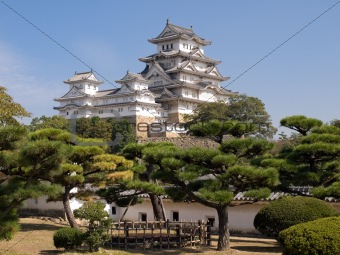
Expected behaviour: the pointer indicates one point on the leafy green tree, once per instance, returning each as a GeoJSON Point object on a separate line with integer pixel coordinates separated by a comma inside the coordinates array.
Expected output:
{"type": "Point", "coordinates": [122, 134]}
{"type": "Point", "coordinates": [55, 121]}
{"type": "Point", "coordinates": [99, 223]}
{"type": "Point", "coordinates": [9, 110]}
{"type": "Point", "coordinates": [25, 167]}
{"type": "Point", "coordinates": [118, 132]}
{"type": "Point", "coordinates": [243, 115]}
{"type": "Point", "coordinates": [84, 165]}
{"type": "Point", "coordinates": [213, 177]}
{"type": "Point", "coordinates": [335, 122]}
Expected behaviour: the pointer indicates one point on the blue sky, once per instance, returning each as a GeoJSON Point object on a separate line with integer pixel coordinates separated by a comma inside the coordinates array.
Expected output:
{"type": "Point", "coordinates": [301, 77]}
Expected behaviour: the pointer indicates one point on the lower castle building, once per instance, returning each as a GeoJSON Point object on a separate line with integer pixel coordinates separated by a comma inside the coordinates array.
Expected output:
{"type": "Point", "coordinates": [175, 80]}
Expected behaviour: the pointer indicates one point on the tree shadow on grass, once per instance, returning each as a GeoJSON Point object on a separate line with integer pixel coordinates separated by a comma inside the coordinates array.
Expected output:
{"type": "Point", "coordinates": [38, 226]}
{"type": "Point", "coordinates": [259, 249]}
{"type": "Point", "coordinates": [51, 252]}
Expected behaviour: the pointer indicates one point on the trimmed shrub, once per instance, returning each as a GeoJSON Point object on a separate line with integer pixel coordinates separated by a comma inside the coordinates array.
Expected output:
{"type": "Point", "coordinates": [318, 237]}
{"type": "Point", "coordinates": [289, 211]}
{"type": "Point", "coordinates": [68, 238]}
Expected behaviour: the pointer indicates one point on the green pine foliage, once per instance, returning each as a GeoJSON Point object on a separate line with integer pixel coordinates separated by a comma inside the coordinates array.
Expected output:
{"type": "Point", "coordinates": [27, 166]}
{"type": "Point", "coordinates": [209, 176]}
{"type": "Point", "coordinates": [288, 211]}
{"type": "Point", "coordinates": [318, 237]}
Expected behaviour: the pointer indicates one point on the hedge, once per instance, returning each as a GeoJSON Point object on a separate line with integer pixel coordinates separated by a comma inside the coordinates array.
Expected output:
{"type": "Point", "coordinates": [68, 238]}
{"type": "Point", "coordinates": [318, 237]}
{"type": "Point", "coordinates": [289, 211]}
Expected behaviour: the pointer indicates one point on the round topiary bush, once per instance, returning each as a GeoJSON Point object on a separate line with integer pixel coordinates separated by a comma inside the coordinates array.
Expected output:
{"type": "Point", "coordinates": [321, 237]}
{"type": "Point", "coordinates": [289, 211]}
{"type": "Point", "coordinates": [68, 238]}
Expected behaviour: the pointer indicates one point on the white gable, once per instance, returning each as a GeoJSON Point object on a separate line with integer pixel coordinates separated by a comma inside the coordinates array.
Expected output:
{"type": "Point", "coordinates": [74, 92]}
{"type": "Point", "coordinates": [167, 32]}
{"type": "Point", "coordinates": [124, 89]}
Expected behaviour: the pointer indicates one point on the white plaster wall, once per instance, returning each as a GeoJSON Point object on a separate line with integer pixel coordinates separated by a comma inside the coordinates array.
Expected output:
{"type": "Point", "coordinates": [240, 217]}
{"type": "Point", "coordinates": [207, 95]}
{"type": "Point", "coordinates": [41, 204]}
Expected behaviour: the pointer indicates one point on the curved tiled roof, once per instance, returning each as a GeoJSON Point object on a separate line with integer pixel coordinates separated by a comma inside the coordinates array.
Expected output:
{"type": "Point", "coordinates": [175, 31]}
{"type": "Point", "coordinates": [78, 77]}
{"type": "Point", "coordinates": [240, 196]}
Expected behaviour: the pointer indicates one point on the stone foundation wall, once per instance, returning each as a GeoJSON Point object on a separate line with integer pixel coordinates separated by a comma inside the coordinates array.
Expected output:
{"type": "Point", "coordinates": [142, 130]}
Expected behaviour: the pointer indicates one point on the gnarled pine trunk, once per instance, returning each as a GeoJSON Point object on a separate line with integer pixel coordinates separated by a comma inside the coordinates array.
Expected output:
{"type": "Point", "coordinates": [157, 207]}
{"type": "Point", "coordinates": [223, 229]}
{"type": "Point", "coordinates": [69, 214]}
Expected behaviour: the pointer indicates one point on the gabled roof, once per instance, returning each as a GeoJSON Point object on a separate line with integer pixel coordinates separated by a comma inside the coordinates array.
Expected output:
{"type": "Point", "coordinates": [132, 77]}
{"type": "Point", "coordinates": [72, 93]}
{"type": "Point", "coordinates": [188, 67]}
{"type": "Point", "coordinates": [156, 68]}
{"type": "Point", "coordinates": [172, 31]}
{"type": "Point", "coordinates": [165, 94]}
{"type": "Point", "coordinates": [81, 77]}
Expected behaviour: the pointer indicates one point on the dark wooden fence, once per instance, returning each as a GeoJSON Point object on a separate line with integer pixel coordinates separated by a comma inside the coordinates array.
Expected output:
{"type": "Point", "coordinates": [159, 234]}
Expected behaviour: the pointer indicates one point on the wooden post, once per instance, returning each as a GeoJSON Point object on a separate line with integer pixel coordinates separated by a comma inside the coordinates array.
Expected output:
{"type": "Point", "coordinates": [208, 233]}
{"type": "Point", "coordinates": [126, 229]}
{"type": "Point", "coordinates": [168, 232]}
{"type": "Point", "coordinates": [160, 235]}
{"type": "Point", "coordinates": [200, 232]}
{"type": "Point", "coordinates": [144, 237]}
{"type": "Point", "coordinates": [152, 240]}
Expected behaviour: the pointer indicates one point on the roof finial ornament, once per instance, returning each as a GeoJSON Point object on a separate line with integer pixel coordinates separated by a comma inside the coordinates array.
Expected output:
{"type": "Point", "coordinates": [91, 70]}
{"type": "Point", "coordinates": [75, 72]}
{"type": "Point", "coordinates": [167, 21]}
{"type": "Point", "coordinates": [127, 71]}
{"type": "Point", "coordinates": [191, 27]}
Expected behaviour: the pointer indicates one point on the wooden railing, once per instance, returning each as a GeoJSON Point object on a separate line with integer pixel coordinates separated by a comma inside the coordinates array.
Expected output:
{"type": "Point", "coordinates": [159, 234]}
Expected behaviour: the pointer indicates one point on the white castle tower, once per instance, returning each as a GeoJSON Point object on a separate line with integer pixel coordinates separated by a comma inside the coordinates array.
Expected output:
{"type": "Point", "coordinates": [175, 80]}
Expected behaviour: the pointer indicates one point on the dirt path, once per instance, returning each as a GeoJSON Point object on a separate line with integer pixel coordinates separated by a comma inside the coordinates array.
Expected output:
{"type": "Point", "coordinates": [36, 237]}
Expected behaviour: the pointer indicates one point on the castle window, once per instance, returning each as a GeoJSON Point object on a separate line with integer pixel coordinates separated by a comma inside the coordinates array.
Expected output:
{"type": "Point", "coordinates": [120, 109]}
{"type": "Point", "coordinates": [167, 46]}
{"type": "Point", "coordinates": [101, 111]}
{"type": "Point", "coordinates": [186, 93]}
{"type": "Point", "coordinates": [143, 216]}
{"type": "Point", "coordinates": [193, 94]}
{"type": "Point", "coordinates": [81, 86]}
{"type": "Point", "coordinates": [171, 46]}
{"type": "Point", "coordinates": [75, 112]}
{"type": "Point", "coordinates": [184, 78]}
{"type": "Point", "coordinates": [175, 216]}
{"type": "Point", "coordinates": [163, 47]}
{"type": "Point", "coordinates": [88, 86]}
{"type": "Point", "coordinates": [66, 113]}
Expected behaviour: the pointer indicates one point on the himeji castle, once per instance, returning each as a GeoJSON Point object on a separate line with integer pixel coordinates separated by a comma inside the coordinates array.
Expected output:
{"type": "Point", "coordinates": [175, 80]}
